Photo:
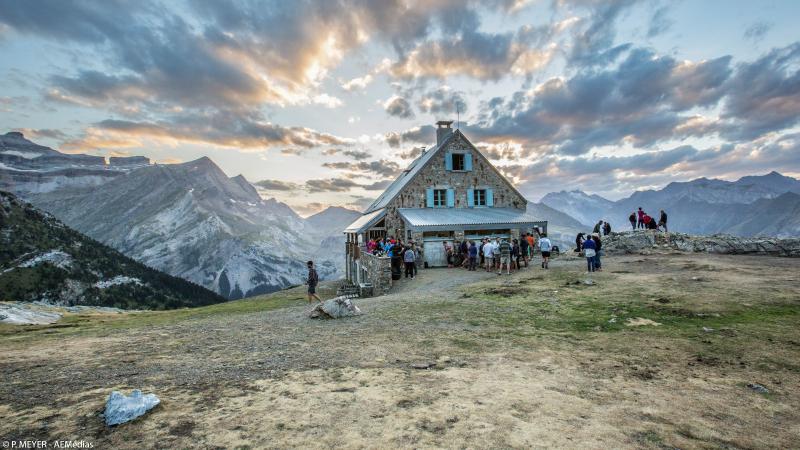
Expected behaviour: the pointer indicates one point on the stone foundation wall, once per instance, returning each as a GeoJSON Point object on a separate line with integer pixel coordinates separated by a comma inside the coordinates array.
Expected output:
{"type": "Point", "coordinates": [379, 272]}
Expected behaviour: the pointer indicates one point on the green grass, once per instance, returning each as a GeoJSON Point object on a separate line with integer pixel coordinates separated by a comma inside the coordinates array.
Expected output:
{"type": "Point", "coordinates": [77, 324]}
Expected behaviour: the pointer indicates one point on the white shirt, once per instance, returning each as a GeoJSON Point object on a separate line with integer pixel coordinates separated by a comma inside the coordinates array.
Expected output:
{"type": "Point", "coordinates": [488, 250]}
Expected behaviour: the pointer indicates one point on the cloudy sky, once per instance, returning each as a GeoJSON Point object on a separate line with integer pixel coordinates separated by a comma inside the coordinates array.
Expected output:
{"type": "Point", "coordinates": [323, 102]}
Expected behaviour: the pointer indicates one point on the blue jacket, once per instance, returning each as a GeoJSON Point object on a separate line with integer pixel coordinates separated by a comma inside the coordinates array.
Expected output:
{"type": "Point", "coordinates": [473, 251]}
{"type": "Point", "coordinates": [589, 243]}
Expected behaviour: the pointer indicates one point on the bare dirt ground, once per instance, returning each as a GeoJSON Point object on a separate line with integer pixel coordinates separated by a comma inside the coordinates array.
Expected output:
{"type": "Point", "coordinates": [656, 352]}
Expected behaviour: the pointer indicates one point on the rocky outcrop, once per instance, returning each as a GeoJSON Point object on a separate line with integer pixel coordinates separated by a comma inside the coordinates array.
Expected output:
{"type": "Point", "coordinates": [650, 241]}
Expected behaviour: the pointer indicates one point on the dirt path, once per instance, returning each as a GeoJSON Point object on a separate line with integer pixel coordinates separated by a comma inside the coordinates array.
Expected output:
{"type": "Point", "coordinates": [530, 360]}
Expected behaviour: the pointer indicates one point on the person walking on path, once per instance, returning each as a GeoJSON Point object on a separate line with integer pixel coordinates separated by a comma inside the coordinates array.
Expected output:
{"type": "Point", "coordinates": [473, 255]}
{"type": "Point", "coordinates": [662, 222]}
{"type": "Point", "coordinates": [545, 246]}
{"type": "Point", "coordinates": [641, 218]}
{"type": "Point", "coordinates": [410, 260]}
{"type": "Point", "coordinates": [515, 254]}
{"type": "Point", "coordinates": [505, 257]}
{"type": "Point", "coordinates": [312, 281]}
{"type": "Point", "coordinates": [589, 252]}
{"type": "Point", "coordinates": [598, 245]}
{"type": "Point", "coordinates": [632, 220]}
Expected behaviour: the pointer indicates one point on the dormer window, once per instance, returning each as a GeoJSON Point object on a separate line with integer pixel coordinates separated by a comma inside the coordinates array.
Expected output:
{"type": "Point", "coordinates": [458, 161]}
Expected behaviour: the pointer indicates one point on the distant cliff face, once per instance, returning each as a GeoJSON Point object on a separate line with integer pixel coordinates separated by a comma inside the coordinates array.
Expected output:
{"type": "Point", "coordinates": [28, 168]}
{"type": "Point", "coordinates": [191, 220]}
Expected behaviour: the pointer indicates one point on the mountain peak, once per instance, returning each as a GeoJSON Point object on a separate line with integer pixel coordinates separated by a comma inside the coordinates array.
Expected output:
{"type": "Point", "coordinates": [15, 134]}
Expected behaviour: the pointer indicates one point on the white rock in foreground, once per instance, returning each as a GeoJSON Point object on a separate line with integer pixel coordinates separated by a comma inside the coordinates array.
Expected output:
{"type": "Point", "coordinates": [335, 308]}
{"type": "Point", "coordinates": [121, 409]}
{"type": "Point", "coordinates": [23, 314]}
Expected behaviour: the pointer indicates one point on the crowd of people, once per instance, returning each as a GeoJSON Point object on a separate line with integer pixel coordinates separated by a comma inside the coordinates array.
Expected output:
{"type": "Point", "coordinates": [490, 254]}
{"type": "Point", "coordinates": [640, 219]}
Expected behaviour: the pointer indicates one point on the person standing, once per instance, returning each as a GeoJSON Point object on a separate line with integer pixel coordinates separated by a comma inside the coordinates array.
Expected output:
{"type": "Point", "coordinates": [606, 228]}
{"type": "Point", "coordinates": [488, 252]}
{"type": "Point", "coordinates": [473, 255]}
{"type": "Point", "coordinates": [597, 227]}
{"type": "Point", "coordinates": [409, 258]}
{"type": "Point", "coordinates": [531, 245]}
{"type": "Point", "coordinates": [515, 254]}
{"type": "Point", "coordinates": [632, 220]}
{"type": "Point", "coordinates": [598, 245]}
{"type": "Point", "coordinates": [448, 251]}
{"type": "Point", "coordinates": [480, 252]}
{"type": "Point", "coordinates": [496, 253]}
{"type": "Point", "coordinates": [465, 253]}
{"type": "Point", "coordinates": [589, 252]}
{"type": "Point", "coordinates": [523, 250]}
{"type": "Point", "coordinates": [505, 257]}
{"type": "Point", "coordinates": [641, 218]}
{"type": "Point", "coordinates": [662, 222]}
{"type": "Point", "coordinates": [579, 242]}
{"type": "Point", "coordinates": [545, 246]}
{"type": "Point", "coordinates": [312, 280]}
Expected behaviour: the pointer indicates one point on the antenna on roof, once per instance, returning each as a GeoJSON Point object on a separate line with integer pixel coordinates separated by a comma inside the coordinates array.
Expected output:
{"type": "Point", "coordinates": [458, 116]}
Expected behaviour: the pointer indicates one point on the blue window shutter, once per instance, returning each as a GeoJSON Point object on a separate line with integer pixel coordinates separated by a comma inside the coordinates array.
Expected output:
{"type": "Point", "coordinates": [429, 196]}
{"type": "Point", "coordinates": [448, 161]}
{"type": "Point", "coordinates": [468, 162]}
{"type": "Point", "coordinates": [451, 198]}
{"type": "Point", "coordinates": [489, 197]}
{"type": "Point", "coordinates": [470, 197]}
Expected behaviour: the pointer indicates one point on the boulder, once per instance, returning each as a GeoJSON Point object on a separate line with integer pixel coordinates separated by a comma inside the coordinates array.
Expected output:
{"type": "Point", "coordinates": [335, 308]}
{"type": "Point", "coordinates": [121, 409]}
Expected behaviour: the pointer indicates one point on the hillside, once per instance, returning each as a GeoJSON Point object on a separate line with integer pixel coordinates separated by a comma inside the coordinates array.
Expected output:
{"type": "Point", "coordinates": [191, 220]}
{"type": "Point", "coordinates": [586, 209]}
{"type": "Point", "coordinates": [331, 220]}
{"type": "Point", "coordinates": [43, 260]}
{"type": "Point", "coordinates": [655, 352]}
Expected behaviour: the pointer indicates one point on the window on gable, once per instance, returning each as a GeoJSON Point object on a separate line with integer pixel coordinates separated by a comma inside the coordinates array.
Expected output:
{"type": "Point", "coordinates": [458, 161]}
{"type": "Point", "coordinates": [479, 197]}
{"type": "Point", "coordinates": [439, 198]}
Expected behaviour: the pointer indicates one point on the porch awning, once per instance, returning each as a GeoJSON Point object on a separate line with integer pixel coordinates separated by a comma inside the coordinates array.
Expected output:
{"type": "Point", "coordinates": [443, 219]}
{"type": "Point", "coordinates": [366, 221]}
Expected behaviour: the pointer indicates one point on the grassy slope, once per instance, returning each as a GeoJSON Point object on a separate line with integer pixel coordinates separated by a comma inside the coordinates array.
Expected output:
{"type": "Point", "coordinates": [750, 304]}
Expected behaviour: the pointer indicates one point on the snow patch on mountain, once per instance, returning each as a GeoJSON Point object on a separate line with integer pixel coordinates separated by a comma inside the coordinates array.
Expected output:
{"type": "Point", "coordinates": [116, 281]}
{"type": "Point", "coordinates": [55, 257]}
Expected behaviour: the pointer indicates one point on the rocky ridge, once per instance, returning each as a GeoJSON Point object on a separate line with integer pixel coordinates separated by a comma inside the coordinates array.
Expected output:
{"type": "Point", "coordinates": [653, 241]}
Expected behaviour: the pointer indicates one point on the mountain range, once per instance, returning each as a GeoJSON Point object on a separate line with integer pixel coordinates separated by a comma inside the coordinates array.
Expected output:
{"type": "Point", "coordinates": [41, 259]}
{"type": "Point", "coordinates": [767, 205]}
{"type": "Point", "coordinates": [189, 220]}
{"type": "Point", "coordinates": [192, 221]}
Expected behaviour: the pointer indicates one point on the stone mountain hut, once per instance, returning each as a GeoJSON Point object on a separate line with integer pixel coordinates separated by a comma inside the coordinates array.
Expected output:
{"type": "Point", "coordinates": [451, 192]}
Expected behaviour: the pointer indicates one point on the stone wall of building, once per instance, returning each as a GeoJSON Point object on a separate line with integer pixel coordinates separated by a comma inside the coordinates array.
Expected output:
{"type": "Point", "coordinates": [379, 272]}
{"type": "Point", "coordinates": [436, 175]}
